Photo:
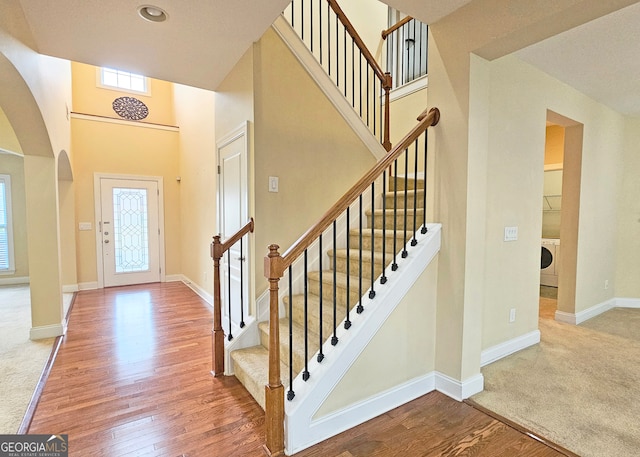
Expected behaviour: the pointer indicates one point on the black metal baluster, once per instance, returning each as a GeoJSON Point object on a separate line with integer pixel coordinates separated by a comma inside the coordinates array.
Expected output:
{"type": "Point", "coordinates": [383, 278]}
{"type": "Point", "coordinates": [305, 373]}
{"type": "Point", "coordinates": [337, 53]}
{"type": "Point", "coordinates": [241, 286]}
{"type": "Point", "coordinates": [424, 191]}
{"type": "Point", "coordinates": [329, 38]}
{"type": "Point", "coordinates": [353, 75]}
{"type": "Point", "coordinates": [311, 24]}
{"type": "Point", "coordinates": [291, 393]}
{"type": "Point", "coordinates": [360, 308]}
{"type": "Point", "coordinates": [302, 19]}
{"type": "Point", "coordinates": [360, 83]}
{"type": "Point", "coordinates": [320, 354]}
{"type": "Point", "coordinates": [375, 102]}
{"type": "Point", "coordinates": [230, 336]}
{"type": "Point", "coordinates": [415, 193]}
{"type": "Point", "coordinates": [344, 48]}
{"type": "Point", "coordinates": [334, 338]}
{"type": "Point", "coordinates": [372, 292]}
{"type": "Point", "coordinates": [320, 28]}
{"type": "Point", "coordinates": [394, 265]}
{"type": "Point", "coordinates": [292, 14]}
{"type": "Point", "coordinates": [347, 322]}
{"type": "Point", "coordinates": [405, 253]}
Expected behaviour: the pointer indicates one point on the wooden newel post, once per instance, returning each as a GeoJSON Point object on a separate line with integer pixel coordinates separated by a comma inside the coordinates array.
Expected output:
{"type": "Point", "coordinates": [274, 391]}
{"type": "Point", "coordinates": [217, 334]}
{"type": "Point", "coordinates": [387, 85]}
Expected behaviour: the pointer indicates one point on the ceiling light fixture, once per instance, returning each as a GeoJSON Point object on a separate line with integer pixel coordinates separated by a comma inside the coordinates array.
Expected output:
{"type": "Point", "coordinates": [152, 13]}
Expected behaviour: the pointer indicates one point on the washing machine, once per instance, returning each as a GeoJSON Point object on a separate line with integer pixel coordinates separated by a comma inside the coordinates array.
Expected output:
{"type": "Point", "coordinates": [550, 254]}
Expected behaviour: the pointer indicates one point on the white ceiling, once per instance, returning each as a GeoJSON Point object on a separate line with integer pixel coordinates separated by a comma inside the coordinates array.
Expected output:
{"type": "Point", "coordinates": [203, 40]}
{"type": "Point", "coordinates": [600, 58]}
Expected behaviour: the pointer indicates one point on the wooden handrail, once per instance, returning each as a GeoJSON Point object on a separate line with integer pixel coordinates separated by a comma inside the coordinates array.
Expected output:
{"type": "Point", "coordinates": [341, 205]}
{"type": "Point", "coordinates": [396, 26]}
{"type": "Point", "coordinates": [218, 248]}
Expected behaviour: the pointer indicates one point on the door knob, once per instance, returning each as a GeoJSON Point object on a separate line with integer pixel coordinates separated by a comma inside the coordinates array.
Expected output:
{"type": "Point", "coordinates": [106, 241]}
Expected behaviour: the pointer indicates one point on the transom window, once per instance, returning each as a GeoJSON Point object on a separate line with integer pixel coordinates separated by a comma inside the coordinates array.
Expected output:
{"type": "Point", "coordinates": [6, 235]}
{"type": "Point", "coordinates": [124, 80]}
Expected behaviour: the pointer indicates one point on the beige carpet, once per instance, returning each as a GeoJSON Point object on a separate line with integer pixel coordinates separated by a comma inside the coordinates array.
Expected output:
{"type": "Point", "coordinates": [21, 360]}
{"type": "Point", "coordinates": [579, 387]}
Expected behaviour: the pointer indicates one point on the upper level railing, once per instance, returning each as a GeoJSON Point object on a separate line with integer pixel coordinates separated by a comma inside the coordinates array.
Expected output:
{"type": "Point", "coordinates": [332, 39]}
{"type": "Point", "coordinates": [398, 220]}
{"type": "Point", "coordinates": [218, 249]}
{"type": "Point", "coordinates": [407, 47]}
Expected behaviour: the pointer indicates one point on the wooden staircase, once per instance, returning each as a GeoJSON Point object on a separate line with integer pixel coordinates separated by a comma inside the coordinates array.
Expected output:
{"type": "Point", "coordinates": [250, 365]}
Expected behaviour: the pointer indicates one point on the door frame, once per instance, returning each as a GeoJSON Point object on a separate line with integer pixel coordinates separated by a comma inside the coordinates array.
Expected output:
{"type": "Point", "coordinates": [242, 131]}
{"type": "Point", "coordinates": [98, 214]}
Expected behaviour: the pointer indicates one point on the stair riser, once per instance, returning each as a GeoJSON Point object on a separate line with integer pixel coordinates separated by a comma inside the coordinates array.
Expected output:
{"type": "Point", "coordinates": [341, 293]}
{"type": "Point", "coordinates": [410, 184]}
{"type": "Point", "coordinates": [256, 390]}
{"type": "Point", "coordinates": [298, 350]}
{"type": "Point", "coordinates": [354, 266]}
{"type": "Point", "coordinates": [354, 240]}
{"type": "Point", "coordinates": [389, 201]}
{"type": "Point", "coordinates": [313, 320]}
{"type": "Point", "coordinates": [399, 221]}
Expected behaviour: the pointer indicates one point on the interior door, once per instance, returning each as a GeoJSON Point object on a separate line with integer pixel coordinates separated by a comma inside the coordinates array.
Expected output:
{"type": "Point", "coordinates": [233, 215]}
{"type": "Point", "coordinates": [129, 231]}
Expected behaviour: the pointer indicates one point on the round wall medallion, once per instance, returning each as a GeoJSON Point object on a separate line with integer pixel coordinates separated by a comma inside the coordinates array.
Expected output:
{"type": "Point", "coordinates": [130, 108]}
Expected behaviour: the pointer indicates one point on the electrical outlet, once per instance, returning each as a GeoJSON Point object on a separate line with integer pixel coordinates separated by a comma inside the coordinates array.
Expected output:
{"type": "Point", "coordinates": [606, 284]}
{"type": "Point", "coordinates": [512, 315]}
{"type": "Point", "coordinates": [511, 233]}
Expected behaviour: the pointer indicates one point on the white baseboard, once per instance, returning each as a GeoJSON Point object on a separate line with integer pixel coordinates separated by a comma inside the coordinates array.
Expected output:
{"type": "Point", "coordinates": [516, 344]}
{"type": "Point", "coordinates": [581, 316]}
{"type": "Point", "coordinates": [173, 278]}
{"type": "Point", "coordinates": [88, 285]}
{"type": "Point", "coordinates": [70, 288]}
{"type": "Point", "coordinates": [459, 390]}
{"type": "Point", "coordinates": [206, 296]}
{"type": "Point", "coordinates": [627, 302]}
{"type": "Point", "coordinates": [14, 280]}
{"type": "Point", "coordinates": [46, 331]}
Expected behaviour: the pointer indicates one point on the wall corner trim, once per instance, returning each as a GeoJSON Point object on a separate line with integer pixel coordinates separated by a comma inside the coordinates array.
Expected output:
{"type": "Point", "coordinates": [46, 331]}
{"type": "Point", "coordinates": [459, 390]}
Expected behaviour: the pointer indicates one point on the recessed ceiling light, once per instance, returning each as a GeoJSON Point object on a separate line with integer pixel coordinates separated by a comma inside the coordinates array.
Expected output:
{"type": "Point", "coordinates": [152, 13]}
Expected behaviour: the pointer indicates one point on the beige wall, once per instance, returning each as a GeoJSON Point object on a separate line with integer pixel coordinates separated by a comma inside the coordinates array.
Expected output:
{"type": "Point", "coordinates": [516, 161]}
{"type": "Point", "coordinates": [14, 166]}
{"type": "Point", "coordinates": [8, 139]}
{"type": "Point", "coordinates": [403, 349]}
{"type": "Point", "coordinates": [90, 99]}
{"type": "Point", "coordinates": [122, 148]}
{"type": "Point", "coordinates": [628, 247]}
{"type": "Point", "coordinates": [301, 138]}
{"type": "Point", "coordinates": [195, 114]}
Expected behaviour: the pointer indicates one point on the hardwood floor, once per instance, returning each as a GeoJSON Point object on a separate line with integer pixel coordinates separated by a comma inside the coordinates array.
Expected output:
{"type": "Point", "coordinates": [131, 378]}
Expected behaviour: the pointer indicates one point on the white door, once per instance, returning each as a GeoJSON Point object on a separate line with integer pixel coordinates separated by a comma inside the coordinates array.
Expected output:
{"type": "Point", "coordinates": [233, 215]}
{"type": "Point", "coordinates": [129, 231]}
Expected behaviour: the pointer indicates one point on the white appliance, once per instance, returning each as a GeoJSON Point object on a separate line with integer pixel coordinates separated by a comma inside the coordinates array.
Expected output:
{"type": "Point", "coordinates": [550, 254]}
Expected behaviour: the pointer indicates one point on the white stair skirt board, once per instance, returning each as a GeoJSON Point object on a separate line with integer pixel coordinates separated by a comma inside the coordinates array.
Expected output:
{"type": "Point", "coordinates": [499, 351]}
{"type": "Point", "coordinates": [324, 82]}
{"type": "Point", "coordinates": [46, 331]}
{"type": "Point", "coordinates": [459, 390]}
{"type": "Point", "coordinates": [70, 288]}
{"type": "Point", "coordinates": [301, 430]}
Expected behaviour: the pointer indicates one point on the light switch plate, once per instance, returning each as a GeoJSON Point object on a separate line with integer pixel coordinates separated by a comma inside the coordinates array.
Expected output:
{"type": "Point", "coordinates": [85, 226]}
{"type": "Point", "coordinates": [273, 184]}
{"type": "Point", "coordinates": [510, 233]}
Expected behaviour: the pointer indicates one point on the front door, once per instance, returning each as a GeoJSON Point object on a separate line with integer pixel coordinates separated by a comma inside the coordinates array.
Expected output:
{"type": "Point", "coordinates": [129, 231]}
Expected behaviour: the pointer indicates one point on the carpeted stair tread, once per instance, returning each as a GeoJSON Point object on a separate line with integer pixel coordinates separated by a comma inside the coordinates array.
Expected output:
{"type": "Point", "coordinates": [401, 182]}
{"type": "Point", "coordinates": [313, 312]}
{"type": "Point", "coordinates": [354, 239]}
{"type": "Point", "coordinates": [298, 342]}
{"type": "Point", "coordinates": [341, 286]}
{"type": "Point", "coordinates": [251, 367]}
